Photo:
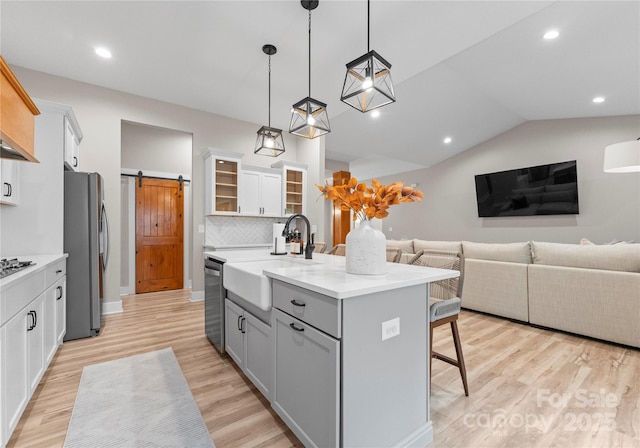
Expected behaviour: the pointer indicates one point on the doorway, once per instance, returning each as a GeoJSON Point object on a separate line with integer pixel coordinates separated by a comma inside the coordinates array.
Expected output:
{"type": "Point", "coordinates": [159, 153]}
{"type": "Point", "coordinates": [159, 235]}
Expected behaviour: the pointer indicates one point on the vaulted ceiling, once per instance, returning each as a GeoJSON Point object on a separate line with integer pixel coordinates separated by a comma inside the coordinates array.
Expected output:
{"type": "Point", "coordinates": [468, 70]}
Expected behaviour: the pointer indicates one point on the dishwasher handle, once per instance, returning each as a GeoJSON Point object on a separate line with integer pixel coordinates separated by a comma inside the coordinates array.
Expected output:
{"type": "Point", "coordinates": [215, 273]}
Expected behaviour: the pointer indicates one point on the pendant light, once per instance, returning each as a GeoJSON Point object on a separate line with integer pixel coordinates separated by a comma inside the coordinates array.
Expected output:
{"type": "Point", "coordinates": [309, 117]}
{"type": "Point", "coordinates": [269, 142]}
{"type": "Point", "coordinates": [623, 157]}
{"type": "Point", "coordinates": [367, 84]}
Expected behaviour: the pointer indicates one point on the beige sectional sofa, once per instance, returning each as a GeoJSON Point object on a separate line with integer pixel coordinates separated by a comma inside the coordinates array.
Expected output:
{"type": "Point", "coordinates": [589, 290]}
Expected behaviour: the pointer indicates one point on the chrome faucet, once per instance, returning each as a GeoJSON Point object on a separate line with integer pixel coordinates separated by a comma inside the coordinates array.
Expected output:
{"type": "Point", "coordinates": [308, 250]}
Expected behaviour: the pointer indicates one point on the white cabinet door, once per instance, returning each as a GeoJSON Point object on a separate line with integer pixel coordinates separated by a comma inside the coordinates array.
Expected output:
{"type": "Point", "coordinates": [9, 182]}
{"type": "Point", "coordinates": [250, 193]}
{"type": "Point", "coordinates": [257, 353]}
{"type": "Point", "coordinates": [14, 387]}
{"type": "Point", "coordinates": [234, 332]}
{"type": "Point", "coordinates": [54, 318]}
{"type": "Point", "coordinates": [35, 342]}
{"type": "Point", "coordinates": [71, 146]}
{"type": "Point", "coordinates": [271, 194]}
{"type": "Point", "coordinates": [49, 323]}
{"type": "Point", "coordinates": [61, 309]}
{"type": "Point", "coordinates": [306, 386]}
{"type": "Point", "coordinates": [260, 193]}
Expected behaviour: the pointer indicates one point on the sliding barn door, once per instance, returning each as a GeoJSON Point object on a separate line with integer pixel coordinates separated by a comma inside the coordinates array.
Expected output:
{"type": "Point", "coordinates": [159, 235]}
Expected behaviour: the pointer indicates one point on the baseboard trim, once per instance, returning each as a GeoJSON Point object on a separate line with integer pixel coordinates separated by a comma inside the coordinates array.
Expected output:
{"type": "Point", "coordinates": [112, 307]}
{"type": "Point", "coordinates": [196, 296]}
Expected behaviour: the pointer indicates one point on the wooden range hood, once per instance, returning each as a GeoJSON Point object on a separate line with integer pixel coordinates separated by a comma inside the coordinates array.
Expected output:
{"type": "Point", "coordinates": [17, 112]}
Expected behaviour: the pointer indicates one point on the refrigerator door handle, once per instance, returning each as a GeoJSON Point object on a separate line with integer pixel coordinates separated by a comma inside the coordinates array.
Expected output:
{"type": "Point", "coordinates": [105, 236]}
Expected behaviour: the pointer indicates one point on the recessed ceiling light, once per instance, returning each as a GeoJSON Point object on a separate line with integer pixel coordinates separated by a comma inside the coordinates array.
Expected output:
{"type": "Point", "coordinates": [598, 99]}
{"type": "Point", "coordinates": [103, 52]}
{"type": "Point", "coordinates": [551, 34]}
{"type": "Point", "coordinates": [375, 114]}
{"type": "Point", "coordinates": [447, 140]}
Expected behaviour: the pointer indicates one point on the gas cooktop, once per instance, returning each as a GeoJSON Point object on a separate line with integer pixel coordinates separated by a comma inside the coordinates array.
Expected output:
{"type": "Point", "coordinates": [8, 267]}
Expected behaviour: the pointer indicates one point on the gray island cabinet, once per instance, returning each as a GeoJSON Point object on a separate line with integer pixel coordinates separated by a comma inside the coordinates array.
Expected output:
{"type": "Point", "coordinates": [349, 355]}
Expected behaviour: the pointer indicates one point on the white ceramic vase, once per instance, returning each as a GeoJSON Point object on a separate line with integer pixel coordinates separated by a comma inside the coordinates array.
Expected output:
{"type": "Point", "coordinates": [366, 250]}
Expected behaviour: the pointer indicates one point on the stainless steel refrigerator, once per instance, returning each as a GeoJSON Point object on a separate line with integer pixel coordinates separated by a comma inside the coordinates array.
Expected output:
{"type": "Point", "coordinates": [86, 240]}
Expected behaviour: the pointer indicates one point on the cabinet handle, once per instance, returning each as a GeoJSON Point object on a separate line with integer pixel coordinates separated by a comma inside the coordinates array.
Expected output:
{"type": "Point", "coordinates": [239, 323]}
{"type": "Point", "coordinates": [59, 288]}
{"type": "Point", "coordinates": [243, 327]}
{"type": "Point", "coordinates": [297, 303]}
{"type": "Point", "coordinates": [292, 325]}
{"type": "Point", "coordinates": [8, 193]}
{"type": "Point", "coordinates": [59, 271]}
{"type": "Point", "coordinates": [33, 320]}
{"type": "Point", "coordinates": [75, 161]}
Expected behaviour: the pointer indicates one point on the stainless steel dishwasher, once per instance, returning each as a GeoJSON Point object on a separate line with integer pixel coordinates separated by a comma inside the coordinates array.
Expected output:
{"type": "Point", "coordinates": [214, 295]}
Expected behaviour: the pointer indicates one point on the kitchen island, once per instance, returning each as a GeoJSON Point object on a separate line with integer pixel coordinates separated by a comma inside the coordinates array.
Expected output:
{"type": "Point", "coordinates": [346, 362]}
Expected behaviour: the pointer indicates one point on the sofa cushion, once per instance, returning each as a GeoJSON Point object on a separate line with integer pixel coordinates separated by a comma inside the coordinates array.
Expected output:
{"type": "Point", "coordinates": [510, 252]}
{"type": "Point", "coordinates": [406, 246]}
{"type": "Point", "coordinates": [619, 257]}
{"type": "Point", "coordinates": [419, 245]}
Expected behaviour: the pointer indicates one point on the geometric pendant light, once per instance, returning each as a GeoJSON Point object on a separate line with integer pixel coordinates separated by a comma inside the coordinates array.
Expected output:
{"type": "Point", "coordinates": [309, 117]}
{"type": "Point", "coordinates": [367, 84]}
{"type": "Point", "coordinates": [269, 142]}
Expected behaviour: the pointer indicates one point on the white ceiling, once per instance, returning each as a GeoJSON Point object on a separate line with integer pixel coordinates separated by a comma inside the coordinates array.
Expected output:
{"type": "Point", "coordinates": [465, 69]}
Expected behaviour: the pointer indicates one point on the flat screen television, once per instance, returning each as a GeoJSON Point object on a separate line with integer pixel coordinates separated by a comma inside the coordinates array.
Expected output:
{"type": "Point", "coordinates": [537, 190]}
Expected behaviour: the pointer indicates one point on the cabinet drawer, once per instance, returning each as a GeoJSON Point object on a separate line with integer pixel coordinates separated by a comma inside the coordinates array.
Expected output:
{"type": "Point", "coordinates": [311, 307]}
{"type": "Point", "coordinates": [20, 294]}
{"type": "Point", "coordinates": [56, 271]}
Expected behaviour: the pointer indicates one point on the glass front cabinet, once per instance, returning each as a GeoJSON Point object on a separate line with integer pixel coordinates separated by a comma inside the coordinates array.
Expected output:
{"type": "Point", "coordinates": [294, 187]}
{"type": "Point", "coordinates": [222, 169]}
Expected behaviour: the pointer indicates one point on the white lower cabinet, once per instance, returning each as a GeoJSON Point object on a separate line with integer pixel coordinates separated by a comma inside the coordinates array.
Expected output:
{"type": "Point", "coordinates": [247, 341]}
{"type": "Point", "coordinates": [30, 334]}
{"type": "Point", "coordinates": [306, 392]}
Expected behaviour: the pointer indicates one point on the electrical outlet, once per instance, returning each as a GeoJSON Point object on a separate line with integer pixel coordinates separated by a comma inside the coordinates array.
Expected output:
{"type": "Point", "coordinates": [390, 328]}
{"type": "Point", "coordinates": [390, 229]}
{"type": "Point", "coordinates": [314, 228]}
{"type": "Point", "coordinates": [200, 228]}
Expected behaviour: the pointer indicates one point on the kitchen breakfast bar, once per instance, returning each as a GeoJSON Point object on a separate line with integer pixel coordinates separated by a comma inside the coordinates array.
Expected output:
{"type": "Point", "coordinates": [342, 358]}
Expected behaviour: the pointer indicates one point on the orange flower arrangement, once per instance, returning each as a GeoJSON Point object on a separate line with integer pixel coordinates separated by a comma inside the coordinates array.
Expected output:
{"type": "Point", "coordinates": [369, 202]}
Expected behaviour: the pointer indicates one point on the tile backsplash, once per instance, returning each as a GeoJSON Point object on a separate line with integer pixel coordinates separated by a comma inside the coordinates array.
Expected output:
{"type": "Point", "coordinates": [230, 230]}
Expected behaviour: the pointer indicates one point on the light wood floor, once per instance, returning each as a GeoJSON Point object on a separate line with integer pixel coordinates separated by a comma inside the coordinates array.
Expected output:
{"type": "Point", "coordinates": [515, 375]}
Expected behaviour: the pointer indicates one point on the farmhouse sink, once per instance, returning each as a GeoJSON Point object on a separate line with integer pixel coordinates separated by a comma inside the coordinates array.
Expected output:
{"type": "Point", "coordinates": [247, 280]}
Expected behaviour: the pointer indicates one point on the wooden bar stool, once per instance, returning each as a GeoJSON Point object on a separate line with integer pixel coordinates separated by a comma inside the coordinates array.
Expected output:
{"type": "Point", "coordinates": [444, 304]}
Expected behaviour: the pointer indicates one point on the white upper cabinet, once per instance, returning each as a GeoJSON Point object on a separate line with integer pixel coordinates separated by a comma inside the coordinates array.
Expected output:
{"type": "Point", "coordinates": [9, 182]}
{"type": "Point", "coordinates": [222, 174]}
{"type": "Point", "coordinates": [294, 187]}
{"type": "Point", "coordinates": [260, 192]}
{"type": "Point", "coordinates": [72, 138]}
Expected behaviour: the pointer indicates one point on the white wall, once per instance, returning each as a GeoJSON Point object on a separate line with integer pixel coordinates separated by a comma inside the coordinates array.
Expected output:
{"type": "Point", "coordinates": [100, 112]}
{"type": "Point", "coordinates": [35, 226]}
{"type": "Point", "coordinates": [609, 203]}
{"type": "Point", "coordinates": [155, 149]}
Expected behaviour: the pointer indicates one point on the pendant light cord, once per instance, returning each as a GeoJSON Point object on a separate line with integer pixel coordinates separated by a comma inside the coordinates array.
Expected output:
{"type": "Point", "coordinates": [269, 122]}
{"type": "Point", "coordinates": [309, 53]}
{"type": "Point", "coordinates": [368, 24]}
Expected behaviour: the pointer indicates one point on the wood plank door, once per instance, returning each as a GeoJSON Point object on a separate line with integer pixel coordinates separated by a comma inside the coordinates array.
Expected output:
{"type": "Point", "coordinates": [159, 235]}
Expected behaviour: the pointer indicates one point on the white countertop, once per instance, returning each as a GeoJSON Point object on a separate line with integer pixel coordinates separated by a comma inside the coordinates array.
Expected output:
{"type": "Point", "coordinates": [325, 274]}
{"type": "Point", "coordinates": [41, 262]}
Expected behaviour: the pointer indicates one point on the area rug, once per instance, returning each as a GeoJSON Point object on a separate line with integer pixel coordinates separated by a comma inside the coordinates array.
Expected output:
{"type": "Point", "coordinates": [139, 401]}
